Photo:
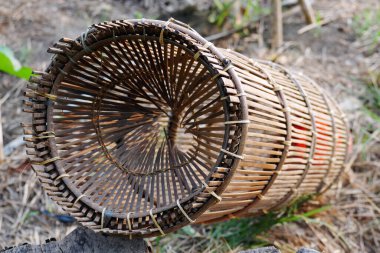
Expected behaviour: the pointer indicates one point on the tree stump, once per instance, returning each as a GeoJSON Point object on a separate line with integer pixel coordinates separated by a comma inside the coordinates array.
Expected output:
{"type": "Point", "coordinates": [85, 240]}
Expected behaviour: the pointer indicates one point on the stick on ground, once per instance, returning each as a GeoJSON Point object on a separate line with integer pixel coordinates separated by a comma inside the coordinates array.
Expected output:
{"type": "Point", "coordinates": [307, 11]}
{"type": "Point", "coordinates": [277, 36]}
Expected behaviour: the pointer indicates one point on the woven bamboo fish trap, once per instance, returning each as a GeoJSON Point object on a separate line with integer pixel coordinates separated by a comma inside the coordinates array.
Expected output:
{"type": "Point", "coordinates": [141, 127]}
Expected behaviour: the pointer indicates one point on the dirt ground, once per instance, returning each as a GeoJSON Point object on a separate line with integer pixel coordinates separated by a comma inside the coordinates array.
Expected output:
{"type": "Point", "coordinates": [336, 55]}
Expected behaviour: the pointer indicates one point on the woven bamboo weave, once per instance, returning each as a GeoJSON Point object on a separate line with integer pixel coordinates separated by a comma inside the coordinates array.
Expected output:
{"type": "Point", "coordinates": [140, 127]}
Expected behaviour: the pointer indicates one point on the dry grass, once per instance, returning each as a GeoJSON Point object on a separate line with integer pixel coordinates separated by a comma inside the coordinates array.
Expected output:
{"type": "Point", "coordinates": [340, 56]}
{"type": "Point", "coordinates": [21, 200]}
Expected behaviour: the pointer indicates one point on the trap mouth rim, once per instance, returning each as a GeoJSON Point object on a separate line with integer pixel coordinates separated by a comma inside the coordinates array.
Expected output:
{"type": "Point", "coordinates": [60, 163]}
{"type": "Point", "coordinates": [244, 116]}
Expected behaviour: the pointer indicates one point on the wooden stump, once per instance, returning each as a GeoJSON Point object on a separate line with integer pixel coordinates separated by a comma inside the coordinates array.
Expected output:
{"type": "Point", "coordinates": [85, 240]}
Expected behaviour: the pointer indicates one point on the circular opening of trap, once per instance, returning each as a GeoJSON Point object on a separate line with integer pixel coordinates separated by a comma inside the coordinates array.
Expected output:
{"type": "Point", "coordinates": [142, 122]}
{"type": "Point", "coordinates": [151, 107]}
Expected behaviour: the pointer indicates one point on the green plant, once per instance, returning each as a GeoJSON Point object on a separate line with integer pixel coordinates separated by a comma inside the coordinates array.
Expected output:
{"type": "Point", "coordinates": [220, 12]}
{"type": "Point", "coordinates": [366, 26]}
{"type": "Point", "coordinates": [246, 231]}
{"type": "Point", "coordinates": [318, 17]}
{"type": "Point", "coordinates": [236, 13]}
{"type": "Point", "coordinates": [253, 9]}
{"type": "Point", "coordinates": [10, 65]}
{"type": "Point", "coordinates": [371, 99]}
{"type": "Point", "coordinates": [234, 234]}
{"type": "Point", "coordinates": [29, 215]}
{"type": "Point", "coordinates": [138, 15]}
{"type": "Point", "coordinates": [365, 20]}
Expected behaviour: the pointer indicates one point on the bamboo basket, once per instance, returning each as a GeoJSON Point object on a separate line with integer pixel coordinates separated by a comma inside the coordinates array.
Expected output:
{"type": "Point", "coordinates": [140, 127]}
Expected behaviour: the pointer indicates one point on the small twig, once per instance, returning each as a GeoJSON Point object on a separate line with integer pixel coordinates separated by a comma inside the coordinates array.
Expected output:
{"type": "Point", "coordinates": [225, 34]}
{"type": "Point", "coordinates": [307, 11]}
{"type": "Point", "coordinates": [315, 25]}
{"type": "Point", "coordinates": [277, 36]}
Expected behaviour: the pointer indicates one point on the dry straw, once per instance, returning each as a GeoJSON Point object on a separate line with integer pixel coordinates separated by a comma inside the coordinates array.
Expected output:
{"type": "Point", "coordinates": [139, 128]}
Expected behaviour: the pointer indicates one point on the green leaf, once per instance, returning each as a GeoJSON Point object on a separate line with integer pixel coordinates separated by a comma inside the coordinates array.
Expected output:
{"type": "Point", "coordinates": [188, 230]}
{"type": "Point", "coordinates": [218, 4]}
{"type": "Point", "coordinates": [29, 215]}
{"type": "Point", "coordinates": [371, 113]}
{"type": "Point", "coordinates": [138, 15]}
{"type": "Point", "coordinates": [10, 65]}
{"type": "Point", "coordinates": [297, 217]}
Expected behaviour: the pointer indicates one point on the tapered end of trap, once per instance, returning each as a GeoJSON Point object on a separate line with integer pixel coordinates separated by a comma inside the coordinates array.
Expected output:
{"type": "Point", "coordinates": [132, 131]}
